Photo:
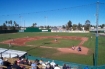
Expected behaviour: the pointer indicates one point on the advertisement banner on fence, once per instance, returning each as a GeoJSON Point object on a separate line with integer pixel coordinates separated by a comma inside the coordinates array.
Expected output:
{"type": "Point", "coordinates": [44, 30]}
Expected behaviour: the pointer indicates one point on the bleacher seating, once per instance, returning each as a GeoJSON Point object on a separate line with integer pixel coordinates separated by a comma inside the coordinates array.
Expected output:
{"type": "Point", "coordinates": [41, 64]}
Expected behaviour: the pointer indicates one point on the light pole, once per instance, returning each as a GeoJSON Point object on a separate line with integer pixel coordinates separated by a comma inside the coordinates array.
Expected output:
{"type": "Point", "coordinates": [46, 20]}
{"type": "Point", "coordinates": [20, 20]}
{"type": "Point", "coordinates": [24, 23]}
{"type": "Point", "coordinates": [96, 46]}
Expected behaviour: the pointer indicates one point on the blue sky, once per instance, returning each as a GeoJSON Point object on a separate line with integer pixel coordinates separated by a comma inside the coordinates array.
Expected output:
{"type": "Point", "coordinates": [50, 12]}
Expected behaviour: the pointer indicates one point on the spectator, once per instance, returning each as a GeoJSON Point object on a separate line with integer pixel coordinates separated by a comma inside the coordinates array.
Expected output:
{"type": "Point", "coordinates": [30, 63]}
{"type": "Point", "coordinates": [51, 67]}
{"type": "Point", "coordinates": [48, 66]}
{"type": "Point", "coordinates": [1, 61]}
{"type": "Point", "coordinates": [68, 67]}
{"type": "Point", "coordinates": [86, 67]}
{"type": "Point", "coordinates": [6, 63]}
{"type": "Point", "coordinates": [64, 66]}
{"type": "Point", "coordinates": [37, 61]}
{"type": "Point", "coordinates": [56, 67]}
{"type": "Point", "coordinates": [39, 66]}
{"type": "Point", "coordinates": [16, 66]}
{"type": "Point", "coordinates": [22, 61]}
{"type": "Point", "coordinates": [43, 65]}
{"type": "Point", "coordinates": [19, 59]}
{"type": "Point", "coordinates": [40, 61]}
{"type": "Point", "coordinates": [33, 65]}
{"type": "Point", "coordinates": [52, 63]}
{"type": "Point", "coordinates": [47, 62]}
{"type": "Point", "coordinates": [26, 62]}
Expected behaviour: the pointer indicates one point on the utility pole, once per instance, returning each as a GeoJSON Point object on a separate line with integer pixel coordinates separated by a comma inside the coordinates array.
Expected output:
{"type": "Point", "coordinates": [46, 20]}
{"type": "Point", "coordinates": [96, 46]}
{"type": "Point", "coordinates": [24, 23]}
{"type": "Point", "coordinates": [21, 21]}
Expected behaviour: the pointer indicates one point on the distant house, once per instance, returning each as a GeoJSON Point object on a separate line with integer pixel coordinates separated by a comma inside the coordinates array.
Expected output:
{"type": "Point", "coordinates": [54, 28]}
{"type": "Point", "coordinates": [100, 30]}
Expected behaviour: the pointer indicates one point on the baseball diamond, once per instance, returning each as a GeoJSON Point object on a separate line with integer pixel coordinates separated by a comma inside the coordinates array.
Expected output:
{"type": "Point", "coordinates": [22, 42]}
{"type": "Point", "coordinates": [43, 44]}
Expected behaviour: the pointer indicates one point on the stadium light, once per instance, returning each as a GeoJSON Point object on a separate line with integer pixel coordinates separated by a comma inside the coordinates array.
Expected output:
{"type": "Point", "coordinates": [46, 20]}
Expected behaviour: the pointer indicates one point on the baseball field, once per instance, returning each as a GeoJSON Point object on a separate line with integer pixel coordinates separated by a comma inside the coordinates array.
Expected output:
{"type": "Point", "coordinates": [57, 46]}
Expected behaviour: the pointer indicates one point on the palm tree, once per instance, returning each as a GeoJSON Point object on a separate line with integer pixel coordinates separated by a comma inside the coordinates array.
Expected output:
{"type": "Point", "coordinates": [4, 26]}
{"type": "Point", "coordinates": [10, 22]}
{"type": "Point", "coordinates": [15, 23]}
{"type": "Point", "coordinates": [34, 24]}
{"type": "Point", "coordinates": [6, 22]}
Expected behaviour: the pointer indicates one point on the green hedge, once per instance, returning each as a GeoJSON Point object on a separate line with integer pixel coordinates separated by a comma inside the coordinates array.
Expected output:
{"type": "Point", "coordinates": [8, 31]}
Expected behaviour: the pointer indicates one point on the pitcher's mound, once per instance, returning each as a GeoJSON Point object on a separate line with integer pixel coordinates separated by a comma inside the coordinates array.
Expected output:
{"type": "Point", "coordinates": [55, 41]}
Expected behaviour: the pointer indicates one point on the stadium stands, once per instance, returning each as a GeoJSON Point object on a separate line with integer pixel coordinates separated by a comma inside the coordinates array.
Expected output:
{"type": "Point", "coordinates": [28, 62]}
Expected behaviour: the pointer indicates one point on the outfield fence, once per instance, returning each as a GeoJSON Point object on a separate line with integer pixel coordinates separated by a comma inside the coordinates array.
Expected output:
{"type": "Point", "coordinates": [70, 31]}
{"type": "Point", "coordinates": [37, 30]}
{"type": "Point", "coordinates": [8, 31]}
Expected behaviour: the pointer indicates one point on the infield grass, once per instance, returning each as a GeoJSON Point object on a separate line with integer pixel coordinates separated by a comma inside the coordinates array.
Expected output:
{"type": "Point", "coordinates": [61, 43]}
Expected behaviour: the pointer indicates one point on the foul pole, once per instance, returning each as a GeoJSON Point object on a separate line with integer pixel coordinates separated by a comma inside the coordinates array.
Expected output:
{"type": "Point", "coordinates": [96, 46]}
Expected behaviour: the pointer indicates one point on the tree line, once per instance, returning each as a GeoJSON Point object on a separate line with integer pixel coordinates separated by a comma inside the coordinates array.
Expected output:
{"type": "Point", "coordinates": [70, 26]}
{"type": "Point", "coordinates": [13, 25]}
{"type": "Point", "coordinates": [10, 25]}
{"type": "Point", "coordinates": [79, 26]}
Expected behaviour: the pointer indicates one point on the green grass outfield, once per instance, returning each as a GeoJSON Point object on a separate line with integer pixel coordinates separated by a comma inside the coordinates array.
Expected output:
{"type": "Point", "coordinates": [49, 53]}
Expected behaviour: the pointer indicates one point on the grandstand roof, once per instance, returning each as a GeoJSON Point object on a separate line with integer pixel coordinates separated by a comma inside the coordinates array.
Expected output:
{"type": "Point", "coordinates": [6, 53]}
{"type": "Point", "coordinates": [2, 50]}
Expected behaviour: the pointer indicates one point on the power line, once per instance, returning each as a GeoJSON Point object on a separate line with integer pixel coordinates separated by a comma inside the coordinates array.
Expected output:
{"type": "Point", "coordinates": [51, 10]}
{"type": "Point", "coordinates": [102, 3]}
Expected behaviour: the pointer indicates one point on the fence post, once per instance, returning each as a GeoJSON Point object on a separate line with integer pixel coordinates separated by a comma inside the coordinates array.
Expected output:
{"type": "Point", "coordinates": [9, 55]}
{"type": "Point", "coordinates": [1, 54]}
